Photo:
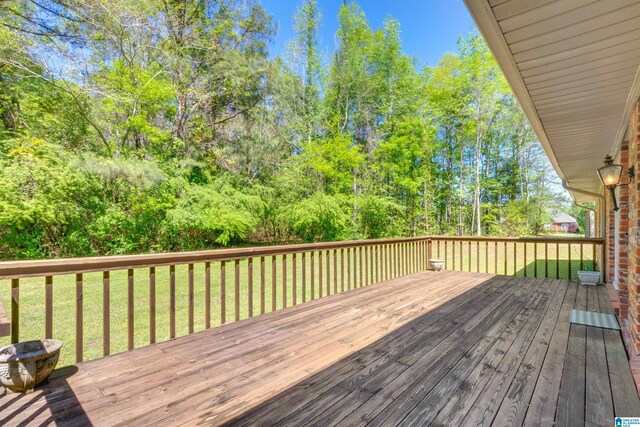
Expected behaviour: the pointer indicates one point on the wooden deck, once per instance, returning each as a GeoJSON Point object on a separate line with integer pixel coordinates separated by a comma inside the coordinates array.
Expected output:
{"type": "Point", "coordinates": [445, 348]}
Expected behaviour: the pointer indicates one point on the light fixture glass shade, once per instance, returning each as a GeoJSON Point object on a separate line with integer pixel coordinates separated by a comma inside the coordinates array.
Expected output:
{"type": "Point", "coordinates": [610, 173]}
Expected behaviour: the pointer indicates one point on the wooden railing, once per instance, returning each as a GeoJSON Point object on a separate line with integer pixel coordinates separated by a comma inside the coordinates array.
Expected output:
{"type": "Point", "coordinates": [105, 305]}
{"type": "Point", "coordinates": [559, 258]}
{"type": "Point", "coordinates": [167, 295]}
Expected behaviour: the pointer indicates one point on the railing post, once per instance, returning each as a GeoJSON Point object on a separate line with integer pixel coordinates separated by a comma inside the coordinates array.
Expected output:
{"type": "Point", "coordinates": [15, 311]}
{"type": "Point", "coordinates": [48, 329]}
{"type": "Point", "coordinates": [106, 314]}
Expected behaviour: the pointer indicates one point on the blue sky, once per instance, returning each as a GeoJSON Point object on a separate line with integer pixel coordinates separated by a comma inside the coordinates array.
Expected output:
{"type": "Point", "coordinates": [429, 27]}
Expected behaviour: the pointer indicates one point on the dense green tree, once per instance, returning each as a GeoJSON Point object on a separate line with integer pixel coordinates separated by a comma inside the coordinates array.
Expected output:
{"type": "Point", "coordinates": [158, 125]}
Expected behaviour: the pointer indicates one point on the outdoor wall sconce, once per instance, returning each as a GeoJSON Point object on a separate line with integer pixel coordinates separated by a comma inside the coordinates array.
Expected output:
{"type": "Point", "coordinates": [610, 177]}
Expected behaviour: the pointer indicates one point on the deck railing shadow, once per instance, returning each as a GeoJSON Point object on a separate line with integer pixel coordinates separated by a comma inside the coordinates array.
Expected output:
{"type": "Point", "coordinates": [55, 397]}
{"type": "Point", "coordinates": [365, 371]}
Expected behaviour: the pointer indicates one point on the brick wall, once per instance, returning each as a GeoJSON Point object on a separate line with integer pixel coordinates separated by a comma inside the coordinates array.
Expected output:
{"type": "Point", "coordinates": [627, 298]}
{"type": "Point", "coordinates": [633, 277]}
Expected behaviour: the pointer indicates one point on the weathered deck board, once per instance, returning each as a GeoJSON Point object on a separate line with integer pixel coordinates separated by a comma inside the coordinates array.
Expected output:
{"type": "Point", "coordinates": [444, 348]}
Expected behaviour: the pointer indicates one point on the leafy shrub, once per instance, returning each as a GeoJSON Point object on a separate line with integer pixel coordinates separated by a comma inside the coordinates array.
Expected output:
{"type": "Point", "coordinates": [319, 217]}
{"type": "Point", "coordinates": [213, 214]}
{"type": "Point", "coordinates": [380, 217]}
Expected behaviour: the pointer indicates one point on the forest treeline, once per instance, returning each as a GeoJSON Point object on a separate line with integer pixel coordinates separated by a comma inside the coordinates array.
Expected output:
{"type": "Point", "coordinates": [165, 125]}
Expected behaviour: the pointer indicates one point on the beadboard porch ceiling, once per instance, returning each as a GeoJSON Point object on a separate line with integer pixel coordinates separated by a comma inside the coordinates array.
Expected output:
{"type": "Point", "coordinates": [573, 65]}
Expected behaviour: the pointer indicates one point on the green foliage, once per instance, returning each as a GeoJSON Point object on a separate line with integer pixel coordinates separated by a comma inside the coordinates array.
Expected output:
{"type": "Point", "coordinates": [319, 217]}
{"type": "Point", "coordinates": [213, 214]}
{"type": "Point", "coordinates": [380, 217]}
{"type": "Point", "coordinates": [171, 128]}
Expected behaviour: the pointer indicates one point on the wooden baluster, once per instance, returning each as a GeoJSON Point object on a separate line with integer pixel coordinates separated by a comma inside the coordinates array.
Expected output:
{"type": "Point", "coordinates": [313, 274]}
{"type": "Point", "coordinates": [284, 281]}
{"type": "Point", "coordinates": [48, 307]}
{"type": "Point", "coordinates": [546, 260]}
{"type": "Point", "coordinates": [525, 259]}
{"type": "Point", "coordinates": [79, 316]}
{"type": "Point", "coordinates": [106, 314]}
{"type": "Point", "coordinates": [207, 295]}
{"type": "Point", "coordinates": [250, 286]}
{"type": "Point", "coordinates": [453, 255]}
{"type": "Point", "coordinates": [342, 269]}
{"type": "Point", "coordinates": [152, 305]}
{"type": "Point", "coordinates": [236, 290]}
{"type": "Point", "coordinates": [373, 266]}
{"type": "Point", "coordinates": [407, 257]}
{"type": "Point", "coordinates": [130, 309]}
{"type": "Point", "coordinates": [335, 271]}
{"type": "Point", "coordinates": [320, 291]}
{"type": "Point", "coordinates": [390, 259]}
{"type": "Point", "coordinates": [360, 263]}
{"type": "Point", "coordinates": [191, 297]}
{"type": "Point", "coordinates": [380, 264]}
{"type": "Point", "coordinates": [595, 258]}
{"type": "Point", "coordinates": [366, 265]}
{"type": "Point", "coordinates": [395, 261]}
{"type": "Point", "coordinates": [294, 278]}
{"type": "Point", "coordinates": [438, 248]}
{"type": "Point", "coordinates": [461, 257]}
{"type": "Point", "coordinates": [495, 257]}
{"type": "Point", "coordinates": [15, 311]}
{"type": "Point", "coordinates": [569, 266]}
{"type": "Point", "coordinates": [469, 254]}
{"type": "Point", "coordinates": [262, 285]}
{"type": "Point", "coordinates": [581, 256]}
{"type": "Point", "coordinates": [535, 259]}
{"type": "Point", "coordinates": [223, 292]}
{"type": "Point", "coordinates": [557, 260]}
{"type": "Point", "coordinates": [349, 268]}
{"type": "Point", "coordinates": [478, 257]}
{"type": "Point", "coordinates": [304, 277]}
{"type": "Point", "coordinates": [446, 255]}
{"type": "Point", "coordinates": [274, 289]}
{"type": "Point", "coordinates": [328, 260]}
{"type": "Point", "coordinates": [515, 258]}
{"type": "Point", "coordinates": [384, 267]}
{"type": "Point", "coordinates": [172, 301]}
{"type": "Point", "coordinates": [414, 258]}
{"type": "Point", "coordinates": [505, 259]}
{"type": "Point", "coordinates": [486, 257]}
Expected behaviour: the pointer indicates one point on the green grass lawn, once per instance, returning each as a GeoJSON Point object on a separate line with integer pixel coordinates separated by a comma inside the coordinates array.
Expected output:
{"type": "Point", "coordinates": [32, 293]}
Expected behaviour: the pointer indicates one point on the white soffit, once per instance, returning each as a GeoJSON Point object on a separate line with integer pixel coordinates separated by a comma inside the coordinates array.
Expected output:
{"type": "Point", "coordinates": [573, 65]}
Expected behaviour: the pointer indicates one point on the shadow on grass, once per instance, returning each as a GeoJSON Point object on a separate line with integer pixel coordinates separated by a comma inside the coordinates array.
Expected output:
{"type": "Point", "coordinates": [555, 269]}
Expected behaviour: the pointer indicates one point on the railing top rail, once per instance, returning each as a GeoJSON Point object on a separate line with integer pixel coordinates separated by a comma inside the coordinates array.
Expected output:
{"type": "Point", "coordinates": [53, 267]}
{"type": "Point", "coordinates": [576, 240]}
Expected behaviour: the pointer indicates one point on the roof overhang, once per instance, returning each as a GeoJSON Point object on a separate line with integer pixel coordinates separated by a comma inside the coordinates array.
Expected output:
{"type": "Point", "coordinates": [574, 67]}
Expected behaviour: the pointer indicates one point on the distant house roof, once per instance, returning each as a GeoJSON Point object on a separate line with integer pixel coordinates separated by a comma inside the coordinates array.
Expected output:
{"type": "Point", "coordinates": [558, 217]}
